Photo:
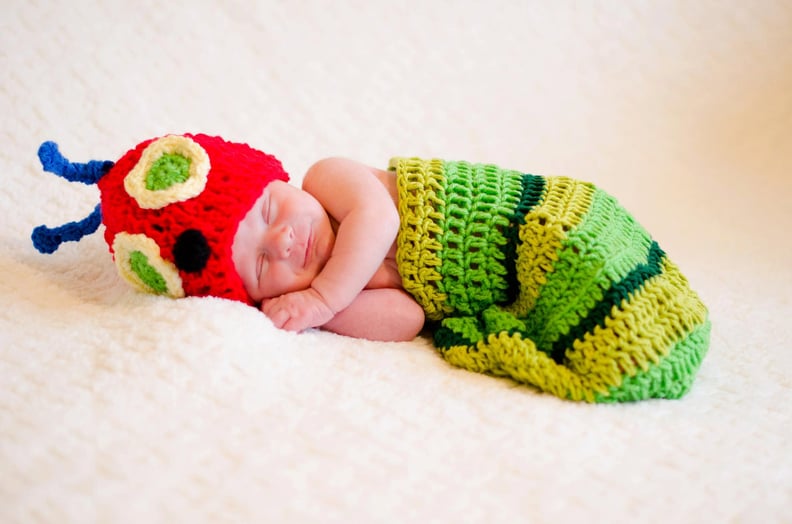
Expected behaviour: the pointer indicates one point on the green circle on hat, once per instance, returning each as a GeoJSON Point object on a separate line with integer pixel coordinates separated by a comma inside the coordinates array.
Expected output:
{"type": "Point", "coordinates": [139, 263]}
{"type": "Point", "coordinates": [168, 170]}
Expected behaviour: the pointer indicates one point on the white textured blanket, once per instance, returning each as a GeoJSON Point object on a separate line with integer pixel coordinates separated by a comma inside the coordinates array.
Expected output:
{"type": "Point", "coordinates": [120, 407]}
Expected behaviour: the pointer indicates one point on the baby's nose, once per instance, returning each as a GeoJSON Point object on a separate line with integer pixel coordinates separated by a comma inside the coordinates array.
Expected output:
{"type": "Point", "coordinates": [282, 241]}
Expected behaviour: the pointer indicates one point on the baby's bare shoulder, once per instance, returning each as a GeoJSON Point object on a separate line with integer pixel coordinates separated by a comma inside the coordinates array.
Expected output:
{"type": "Point", "coordinates": [339, 175]}
{"type": "Point", "coordinates": [342, 167]}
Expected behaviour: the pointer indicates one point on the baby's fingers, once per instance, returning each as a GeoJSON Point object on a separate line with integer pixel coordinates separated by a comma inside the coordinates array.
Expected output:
{"type": "Point", "coordinates": [280, 318]}
{"type": "Point", "coordinates": [275, 312]}
{"type": "Point", "coordinates": [295, 324]}
{"type": "Point", "coordinates": [268, 305]}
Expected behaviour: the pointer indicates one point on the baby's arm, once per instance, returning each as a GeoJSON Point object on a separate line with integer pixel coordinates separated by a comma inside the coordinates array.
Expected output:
{"type": "Point", "coordinates": [386, 314]}
{"type": "Point", "coordinates": [368, 223]}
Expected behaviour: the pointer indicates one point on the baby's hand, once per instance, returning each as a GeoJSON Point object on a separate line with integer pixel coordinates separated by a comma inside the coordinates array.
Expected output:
{"type": "Point", "coordinates": [298, 310]}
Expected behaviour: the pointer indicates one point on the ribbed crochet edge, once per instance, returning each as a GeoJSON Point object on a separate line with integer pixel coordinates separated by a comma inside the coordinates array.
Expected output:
{"type": "Point", "coordinates": [420, 185]}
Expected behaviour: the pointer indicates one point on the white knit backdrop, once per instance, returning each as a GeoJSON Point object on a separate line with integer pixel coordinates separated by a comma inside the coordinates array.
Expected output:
{"type": "Point", "coordinates": [120, 407]}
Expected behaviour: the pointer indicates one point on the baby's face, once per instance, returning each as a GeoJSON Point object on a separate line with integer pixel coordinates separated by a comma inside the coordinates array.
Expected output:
{"type": "Point", "coordinates": [283, 242]}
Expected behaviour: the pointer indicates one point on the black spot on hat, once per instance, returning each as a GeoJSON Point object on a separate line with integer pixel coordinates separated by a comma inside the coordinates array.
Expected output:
{"type": "Point", "coordinates": [191, 251]}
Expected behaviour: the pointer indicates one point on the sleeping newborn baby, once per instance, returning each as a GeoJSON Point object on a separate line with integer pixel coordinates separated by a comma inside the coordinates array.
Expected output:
{"type": "Point", "coordinates": [546, 280]}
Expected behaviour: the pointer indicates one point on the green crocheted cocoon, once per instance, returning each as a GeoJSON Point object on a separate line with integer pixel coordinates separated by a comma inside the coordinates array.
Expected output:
{"type": "Point", "coordinates": [546, 280]}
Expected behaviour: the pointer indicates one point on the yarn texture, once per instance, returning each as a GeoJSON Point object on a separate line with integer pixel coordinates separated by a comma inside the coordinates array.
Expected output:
{"type": "Point", "coordinates": [547, 280]}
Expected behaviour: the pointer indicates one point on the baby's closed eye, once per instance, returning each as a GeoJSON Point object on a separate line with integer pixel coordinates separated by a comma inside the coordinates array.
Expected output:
{"type": "Point", "coordinates": [261, 266]}
{"type": "Point", "coordinates": [266, 211]}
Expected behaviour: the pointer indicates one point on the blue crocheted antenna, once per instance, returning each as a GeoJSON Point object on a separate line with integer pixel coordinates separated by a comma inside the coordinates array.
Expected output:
{"type": "Point", "coordinates": [48, 239]}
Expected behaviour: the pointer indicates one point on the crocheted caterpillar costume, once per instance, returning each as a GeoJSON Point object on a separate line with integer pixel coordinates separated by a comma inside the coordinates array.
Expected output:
{"type": "Point", "coordinates": [547, 280]}
{"type": "Point", "coordinates": [171, 207]}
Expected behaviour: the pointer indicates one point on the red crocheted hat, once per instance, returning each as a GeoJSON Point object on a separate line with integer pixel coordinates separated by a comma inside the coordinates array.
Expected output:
{"type": "Point", "coordinates": [171, 207]}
